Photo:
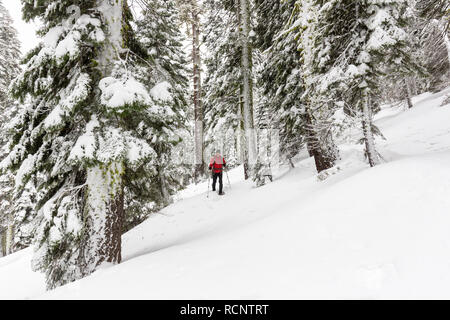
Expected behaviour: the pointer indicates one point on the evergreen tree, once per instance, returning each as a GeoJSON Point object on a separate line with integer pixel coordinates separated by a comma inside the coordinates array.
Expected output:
{"type": "Point", "coordinates": [266, 141]}
{"type": "Point", "coordinates": [317, 111]}
{"type": "Point", "coordinates": [427, 54]}
{"type": "Point", "coordinates": [432, 28]}
{"type": "Point", "coordinates": [9, 69]}
{"type": "Point", "coordinates": [356, 42]}
{"type": "Point", "coordinates": [222, 83]}
{"type": "Point", "coordinates": [434, 9]}
{"type": "Point", "coordinates": [280, 76]}
{"type": "Point", "coordinates": [245, 41]}
{"type": "Point", "coordinates": [191, 11]}
{"type": "Point", "coordinates": [229, 84]}
{"type": "Point", "coordinates": [165, 72]}
{"type": "Point", "coordinates": [82, 140]}
{"type": "Point", "coordinates": [9, 66]}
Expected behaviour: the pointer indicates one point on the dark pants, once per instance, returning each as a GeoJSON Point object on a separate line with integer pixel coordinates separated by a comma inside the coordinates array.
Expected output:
{"type": "Point", "coordinates": [215, 176]}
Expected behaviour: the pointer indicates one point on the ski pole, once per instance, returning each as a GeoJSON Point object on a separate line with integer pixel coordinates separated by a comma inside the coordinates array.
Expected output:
{"type": "Point", "coordinates": [209, 179]}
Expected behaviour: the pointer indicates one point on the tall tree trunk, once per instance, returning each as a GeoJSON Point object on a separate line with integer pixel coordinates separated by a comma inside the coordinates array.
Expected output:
{"type": "Point", "coordinates": [3, 243]}
{"type": "Point", "coordinates": [241, 112]}
{"type": "Point", "coordinates": [369, 140]}
{"type": "Point", "coordinates": [104, 214]}
{"type": "Point", "coordinates": [413, 86]}
{"type": "Point", "coordinates": [104, 206]}
{"type": "Point", "coordinates": [198, 107]}
{"type": "Point", "coordinates": [408, 93]}
{"type": "Point", "coordinates": [324, 155]}
{"type": "Point", "coordinates": [9, 239]}
{"type": "Point", "coordinates": [246, 67]}
{"type": "Point", "coordinates": [164, 192]}
{"type": "Point", "coordinates": [242, 137]}
{"type": "Point", "coordinates": [7, 236]}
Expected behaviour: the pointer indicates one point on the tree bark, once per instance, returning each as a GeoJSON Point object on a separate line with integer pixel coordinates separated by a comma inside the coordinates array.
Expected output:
{"type": "Point", "coordinates": [198, 107]}
{"type": "Point", "coordinates": [369, 140]}
{"type": "Point", "coordinates": [9, 243]}
{"type": "Point", "coordinates": [164, 192]}
{"type": "Point", "coordinates": [2, 244]}
{"type": "Point", "coordinates": [242, 137]}
{"type": "Point", "coordinates": [246, 68]}
{"type": "Point", "coordinates": [323, 154]}
{"type": "Point", "coordinates": [408, 93]}
{"type": "Point", "coordinates": [104, 205]}
{"type": "Point", "coordinates": [7, 237]}
{"type": "Point", "coordinates": [104, 215]}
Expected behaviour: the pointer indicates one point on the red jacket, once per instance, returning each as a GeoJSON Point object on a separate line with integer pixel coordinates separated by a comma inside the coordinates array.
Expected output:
{"type": "Point", "coordinates": [217, 164]}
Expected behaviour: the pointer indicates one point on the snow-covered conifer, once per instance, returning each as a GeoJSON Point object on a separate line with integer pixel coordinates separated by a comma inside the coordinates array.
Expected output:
{"type": "Point", "coordinates": [223, 84]}
{"type": "Point", "coordinates": [191, 13]}
{"type": "Point", "coordinates": [229, 87]}
{"type": "Point", "coordinates": [165, 74]}
{"type": "Point", "coordinates": [317, 112]}
{"type": "Point", "coordinates": [280, 76]}
{"type": "Point", "coordinates": [432, 28]}
{"type": "Point", "coordinates": [354, 43]}
{"type": "Point", "coordinates": [9, 69]}
{"type": "Point", "coordinates": [84, 136]}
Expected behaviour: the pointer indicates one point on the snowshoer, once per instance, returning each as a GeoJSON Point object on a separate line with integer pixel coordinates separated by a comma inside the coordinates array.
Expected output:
{"type": "Point", "coordinates": [216, 165]}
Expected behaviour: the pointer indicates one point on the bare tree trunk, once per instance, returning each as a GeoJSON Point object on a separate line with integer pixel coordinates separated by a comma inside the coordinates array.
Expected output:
{"type": "Point", "coordinates": [241, 112]}
{"type": "Point", "coordinates": [246, 67]}
{"type": "Point", "coordinates": [408, 93]}
{"type": "Point", "coordinates": [414, 86]}
{"type": "Point", "coordinates": [164, 191]}
{"type": "Point", "coordinates": [198, 108]}
{"type": "Point", "coordinates": [2, 243]}
{"type": "Point", "coordinates": [9, 239]}
{"type": "Point", "coordinates": [242, 137]}
{"type": "Point", "coordinates": [369, 140]}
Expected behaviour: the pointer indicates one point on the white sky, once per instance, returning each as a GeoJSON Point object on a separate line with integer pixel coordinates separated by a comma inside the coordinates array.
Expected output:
{"type": "Point", "coordinates": [27, 31]}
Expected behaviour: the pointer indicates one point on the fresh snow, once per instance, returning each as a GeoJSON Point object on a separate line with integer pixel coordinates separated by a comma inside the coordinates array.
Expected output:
{"type": "Point", "coordinates": [77, 91]}
{"type": "Point", "coordinates": [16, 278]}
{"type": "Point", "coordinates": [119, 92]}
{"type": "Point", "coordinates": [85, 145]}
{"type": "Point", "coordinates": [114, 144]}
{"type": "Point", "coordinates": [26, 167]}
{"type": "Point", "coordinates": [363, 233]}
{"type": "Point", "coordinates": [161, 91]}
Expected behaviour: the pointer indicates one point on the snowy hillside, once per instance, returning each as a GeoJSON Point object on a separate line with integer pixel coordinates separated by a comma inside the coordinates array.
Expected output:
{"type": "Point", "coordinates": [379, 232]}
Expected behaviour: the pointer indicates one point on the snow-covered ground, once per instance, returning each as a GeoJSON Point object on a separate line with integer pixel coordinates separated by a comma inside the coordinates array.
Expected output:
{"type": "Point", "coordinates": [364, 233]}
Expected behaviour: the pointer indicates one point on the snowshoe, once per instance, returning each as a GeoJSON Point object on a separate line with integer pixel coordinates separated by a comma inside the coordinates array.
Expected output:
{"type": "Point", "coordinates": [221, 193]}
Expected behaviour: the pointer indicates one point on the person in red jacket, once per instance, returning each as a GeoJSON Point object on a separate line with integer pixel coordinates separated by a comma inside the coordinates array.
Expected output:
{"type": "Point", "coordinates": [216, 165]}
